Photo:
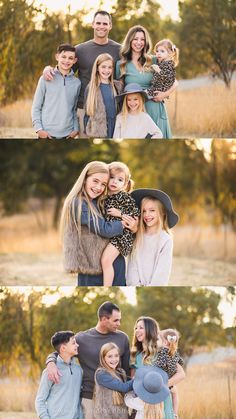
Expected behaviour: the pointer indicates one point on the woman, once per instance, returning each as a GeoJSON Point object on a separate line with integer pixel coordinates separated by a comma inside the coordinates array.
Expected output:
{"type": "Point", "coordinates": [135, 67]}
{"type": "Point", "coordinates": [144, 352]}
{"type": "Point", "coordinates": [84, 231]}
{"type": "Point", "coordinates": [151, 259]}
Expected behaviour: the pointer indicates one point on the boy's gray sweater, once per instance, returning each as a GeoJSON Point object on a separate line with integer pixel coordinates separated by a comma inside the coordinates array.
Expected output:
{"type": "Point", "coordinates": [55, 105]}
{"type": "Point", "coordinates": [57, 401]}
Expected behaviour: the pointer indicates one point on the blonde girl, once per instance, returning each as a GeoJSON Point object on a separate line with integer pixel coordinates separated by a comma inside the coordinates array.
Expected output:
{"type": "Point", "coordinates": [168, 359]}
{"type": "Point", "coordinates": [117, 203]}
{"type": "Point", "coordinates": [133, 121]}
{"type": "Point", "coordinates": [151, 259]}
{"type": "Point", "coordinates": [100, 104]}
{"type": "Point", "coordinates": [164, 76]}
{"type": "Point", "coordinates": [83, 228]}
{"type": "Point", "coordinates": [110, 385]}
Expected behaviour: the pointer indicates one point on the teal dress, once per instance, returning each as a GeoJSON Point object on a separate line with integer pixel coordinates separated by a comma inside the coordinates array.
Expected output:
{"type": "Point", "coordinates": [156, 110]}
{"type": "Point", "coordinates": [168, 408]}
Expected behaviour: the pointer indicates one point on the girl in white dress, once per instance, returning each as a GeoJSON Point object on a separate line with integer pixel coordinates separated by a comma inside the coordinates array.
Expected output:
{"type": "Point", "coordinates": [151, 259]}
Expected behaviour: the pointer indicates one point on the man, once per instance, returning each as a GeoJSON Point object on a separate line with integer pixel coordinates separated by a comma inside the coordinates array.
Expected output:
{"type": "Point", "coordinates": [88, 51]}
{"type": "Point", "coordinates": [90, 343]}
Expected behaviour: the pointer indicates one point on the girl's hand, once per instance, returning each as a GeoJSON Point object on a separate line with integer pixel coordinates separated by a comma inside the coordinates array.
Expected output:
{"type": "Point", "coordinates": [159, 96]}
{"type": "Point", "coordinates": [43, 134]}
{"type": "Point", "coordinates": [114, 212]}
{"type": "Point", "coordinates": [130, 222]}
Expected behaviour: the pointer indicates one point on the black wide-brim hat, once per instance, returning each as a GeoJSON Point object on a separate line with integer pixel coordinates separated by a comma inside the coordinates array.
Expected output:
{"type": "Point", "coordinates": [172, 216]}
{"type": "Point", "coordinates": [132, 88]}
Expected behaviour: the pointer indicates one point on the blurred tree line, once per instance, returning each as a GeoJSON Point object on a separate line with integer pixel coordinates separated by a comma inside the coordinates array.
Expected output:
{"type": "Point", "coordinates": [27, 322]}
{"type": "Point", "coordinates": [30, 34]}
{"type": "Point", "coordinates": [201, 186]}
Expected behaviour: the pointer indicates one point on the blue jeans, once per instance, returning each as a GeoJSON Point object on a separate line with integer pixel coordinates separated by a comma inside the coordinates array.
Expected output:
{"type": "Point", "coordinates": [85, 280]}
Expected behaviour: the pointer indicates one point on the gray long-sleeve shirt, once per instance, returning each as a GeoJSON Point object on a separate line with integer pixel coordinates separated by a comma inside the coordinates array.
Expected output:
{"type": "Point", "coordinates": [55, 105]}
{"type": "Point", "coordinates": [57, 401]}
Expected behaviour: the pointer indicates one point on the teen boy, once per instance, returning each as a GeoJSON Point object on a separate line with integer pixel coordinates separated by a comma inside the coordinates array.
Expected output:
{"type": "Point", "coordinates": [61, 401]}
{"type": "Point", "coordinates": [55, 103]}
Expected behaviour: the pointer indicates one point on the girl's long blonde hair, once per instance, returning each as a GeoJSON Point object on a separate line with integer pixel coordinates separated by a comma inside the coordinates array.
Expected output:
{"type": "Point", "coordinates": [118, 398]}
{"type": "Point", "coordinates": [171, 336]}
{"type": "Point", "coordinates": [94, 83]}
{"type": "Point", "coordinates": [117, 166]}
{"type": "Point", "coordinates": [71, 211]}
{"type": "Point", "coordinates": [149, 347]}
{"type": "Point", "coordinates": [126, 50]}
{"type": "Point", "coordinates": [141, 230]}
{"type": "Point", "coordinates": [171, 49]}
{"type": "Point", "coordinates": [153, 411]}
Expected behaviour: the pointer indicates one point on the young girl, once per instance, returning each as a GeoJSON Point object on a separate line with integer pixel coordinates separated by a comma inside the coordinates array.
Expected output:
{"type": "Point", "coordinates": [84, 231]}
{"type": "Point", "coordinates": [164, 71]}
{"type": "Point", "coordinates": [100, 104]}
{"type": "Point", "coordinates": [150, 387]}
{"type": "Point", "coordinates": [168, 359]}
{"type": "Point", "coordinates": [110, 385]}
{"type": "Point", "coordinates": [133, 121]}
{"type": "Point", "coordinates": [117, 203]}
{"type": "Point", "coordinates": [151, 259]}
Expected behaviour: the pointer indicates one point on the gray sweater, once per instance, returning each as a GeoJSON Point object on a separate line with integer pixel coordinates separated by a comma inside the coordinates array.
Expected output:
{"type": "Point", "coordinates": [57, 401]}
{"type": "Point", "coordinates": [55, 105]}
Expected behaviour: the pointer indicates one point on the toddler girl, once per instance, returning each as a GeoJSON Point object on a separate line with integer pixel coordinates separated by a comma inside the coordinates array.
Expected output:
{"type": "Point", "coordinates": [133, 121]}
{"type": "Point", "coordinates": [150, 390]}
{"type": "Point", "coordinates": [110, 385]}
{"type": "Point", "coordinates": [117, 203]}
{"type": "Point", "coordinates": [168, 358]}
{"type": "Point", "coordinates": [164, 71]}
{"type": "Point", "coordinates": [100, 104]}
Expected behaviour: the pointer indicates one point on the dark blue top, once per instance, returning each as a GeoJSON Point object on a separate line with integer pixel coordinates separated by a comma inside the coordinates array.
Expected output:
{"type": "Point", "coordinates": [110, 107]}
{"type": "Point", "coordinates": [107, 380]}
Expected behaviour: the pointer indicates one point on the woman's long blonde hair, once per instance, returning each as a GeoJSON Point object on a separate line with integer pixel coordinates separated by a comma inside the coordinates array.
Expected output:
{"type": "Point", "coordinates": [71, 211]}
{"type": "Point", "coordinates": [149, 347]}
{"type": "Point", "coordinates": [118, 398]}
{"type": "Point", "coordinates": [142, 229]}
{"type": "Point", "coordinates": [94, 83]}
{"type": "Point", "coordinates": [126, 50]}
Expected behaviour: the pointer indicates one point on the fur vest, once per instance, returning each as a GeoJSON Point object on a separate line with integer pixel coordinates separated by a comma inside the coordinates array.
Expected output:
{"type": "Point", "coordinates": [82, 254]}
{"type": "Point", "coordinates": [97, 124]}
{"type": "Point", "coordinates": [103, 404]}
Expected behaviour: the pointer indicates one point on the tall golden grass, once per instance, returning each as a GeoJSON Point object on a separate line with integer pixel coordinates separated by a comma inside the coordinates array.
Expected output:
{"type": "Point", "coordinates": [204, 394]}
{"type": "Point", "coordinates": [200, 112]}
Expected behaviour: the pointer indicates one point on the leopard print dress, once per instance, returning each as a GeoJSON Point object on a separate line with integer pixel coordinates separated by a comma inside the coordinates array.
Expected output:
{"type": "Point", "coordinates": [126, 204]}
{"type": "Point", "coordinates": [167, 362]}
{"type": "Point", "coordinates": [164, 80]}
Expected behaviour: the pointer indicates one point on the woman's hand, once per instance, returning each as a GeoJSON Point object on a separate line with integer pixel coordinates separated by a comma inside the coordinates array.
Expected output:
{"type": "Point", "coordinates": [130, 222]}
{"type": "Point", "coordinates": [53, 372]}
{"type": "Point", "coordinates": [177, 377]}
{"type": "Point", "coordinates": [114, 212]}
{"type": "Point", "coordinates": [159, 96]}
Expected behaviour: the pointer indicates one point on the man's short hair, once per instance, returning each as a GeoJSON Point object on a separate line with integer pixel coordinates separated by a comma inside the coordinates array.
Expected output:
{"type": "Point", "coordinates": [65, 47]}
{"type": "Point", "coordinates": [60, 338]}
{"type": "Point", "coordinates": [106, 309]}
{"type": "Point", "coordinates": [104, 13]}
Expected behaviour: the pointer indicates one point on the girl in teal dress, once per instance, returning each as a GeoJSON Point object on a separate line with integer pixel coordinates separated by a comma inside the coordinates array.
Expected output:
{"type": "Point", "coordinates": [135, 67]}
{"type": "Point", "coordinates": [144, 352]}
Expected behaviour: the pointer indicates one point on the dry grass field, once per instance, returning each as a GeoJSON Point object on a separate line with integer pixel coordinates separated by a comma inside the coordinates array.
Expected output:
{"type": "Point", "coordinates": [195, 111]}
{"type": "Point", "coordinates": [31, 255]}
{"type": "Point", "coordinates": [206, 393]}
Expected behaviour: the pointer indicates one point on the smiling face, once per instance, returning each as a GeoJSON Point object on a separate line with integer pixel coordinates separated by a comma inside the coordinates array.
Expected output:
{"type": "Point", "coordinates": [138, 42]}
{"type": "Point", "coordinates": [70, 348]}
{"type": "Point", "coordinates": [151, 214]}
{"type": "Point", "coordinates": [105, 70]}
{"type": "Point", "coordinates": [134, 102]}
{"type": "Point", "coordinates": [111, 323]}
{"type": "Point", "coordinates": [162, 53]}
{"type": "Point", "coordinates": [95, 184]}
{"type": "Point", "coordinates": [101, 26]}
{"type": "Point", "coordinates": [112, 358]}
{"type": "Point", "coordinates": [117, 182]}
{"type": "Point", "coordinates": [65, 61]}
{"type": "Point", "coordinates": [140, 331]}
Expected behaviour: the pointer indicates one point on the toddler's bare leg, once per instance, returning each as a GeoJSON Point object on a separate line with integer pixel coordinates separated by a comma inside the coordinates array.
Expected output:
{"type": "Point", "coordinates": [175, 400]}
{"type": "Point", "coordinates": [109, 255]}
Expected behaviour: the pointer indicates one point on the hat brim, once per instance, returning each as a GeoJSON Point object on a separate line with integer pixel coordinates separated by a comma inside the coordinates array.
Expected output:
{"type": "Point", "coordinates": [139, 194]}
{"type": "Point", "coordinates": [122, 95]}
{"type": "Point", "coordinates": [145, 395]}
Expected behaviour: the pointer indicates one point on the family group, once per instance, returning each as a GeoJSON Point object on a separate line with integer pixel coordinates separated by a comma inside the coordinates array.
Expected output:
{"type": "Point", "coordinates": [103, 221]}
{"type": "Point", "coordinates": [109, 378]}
{"type": "Point", "coordinates": [120, 91]}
